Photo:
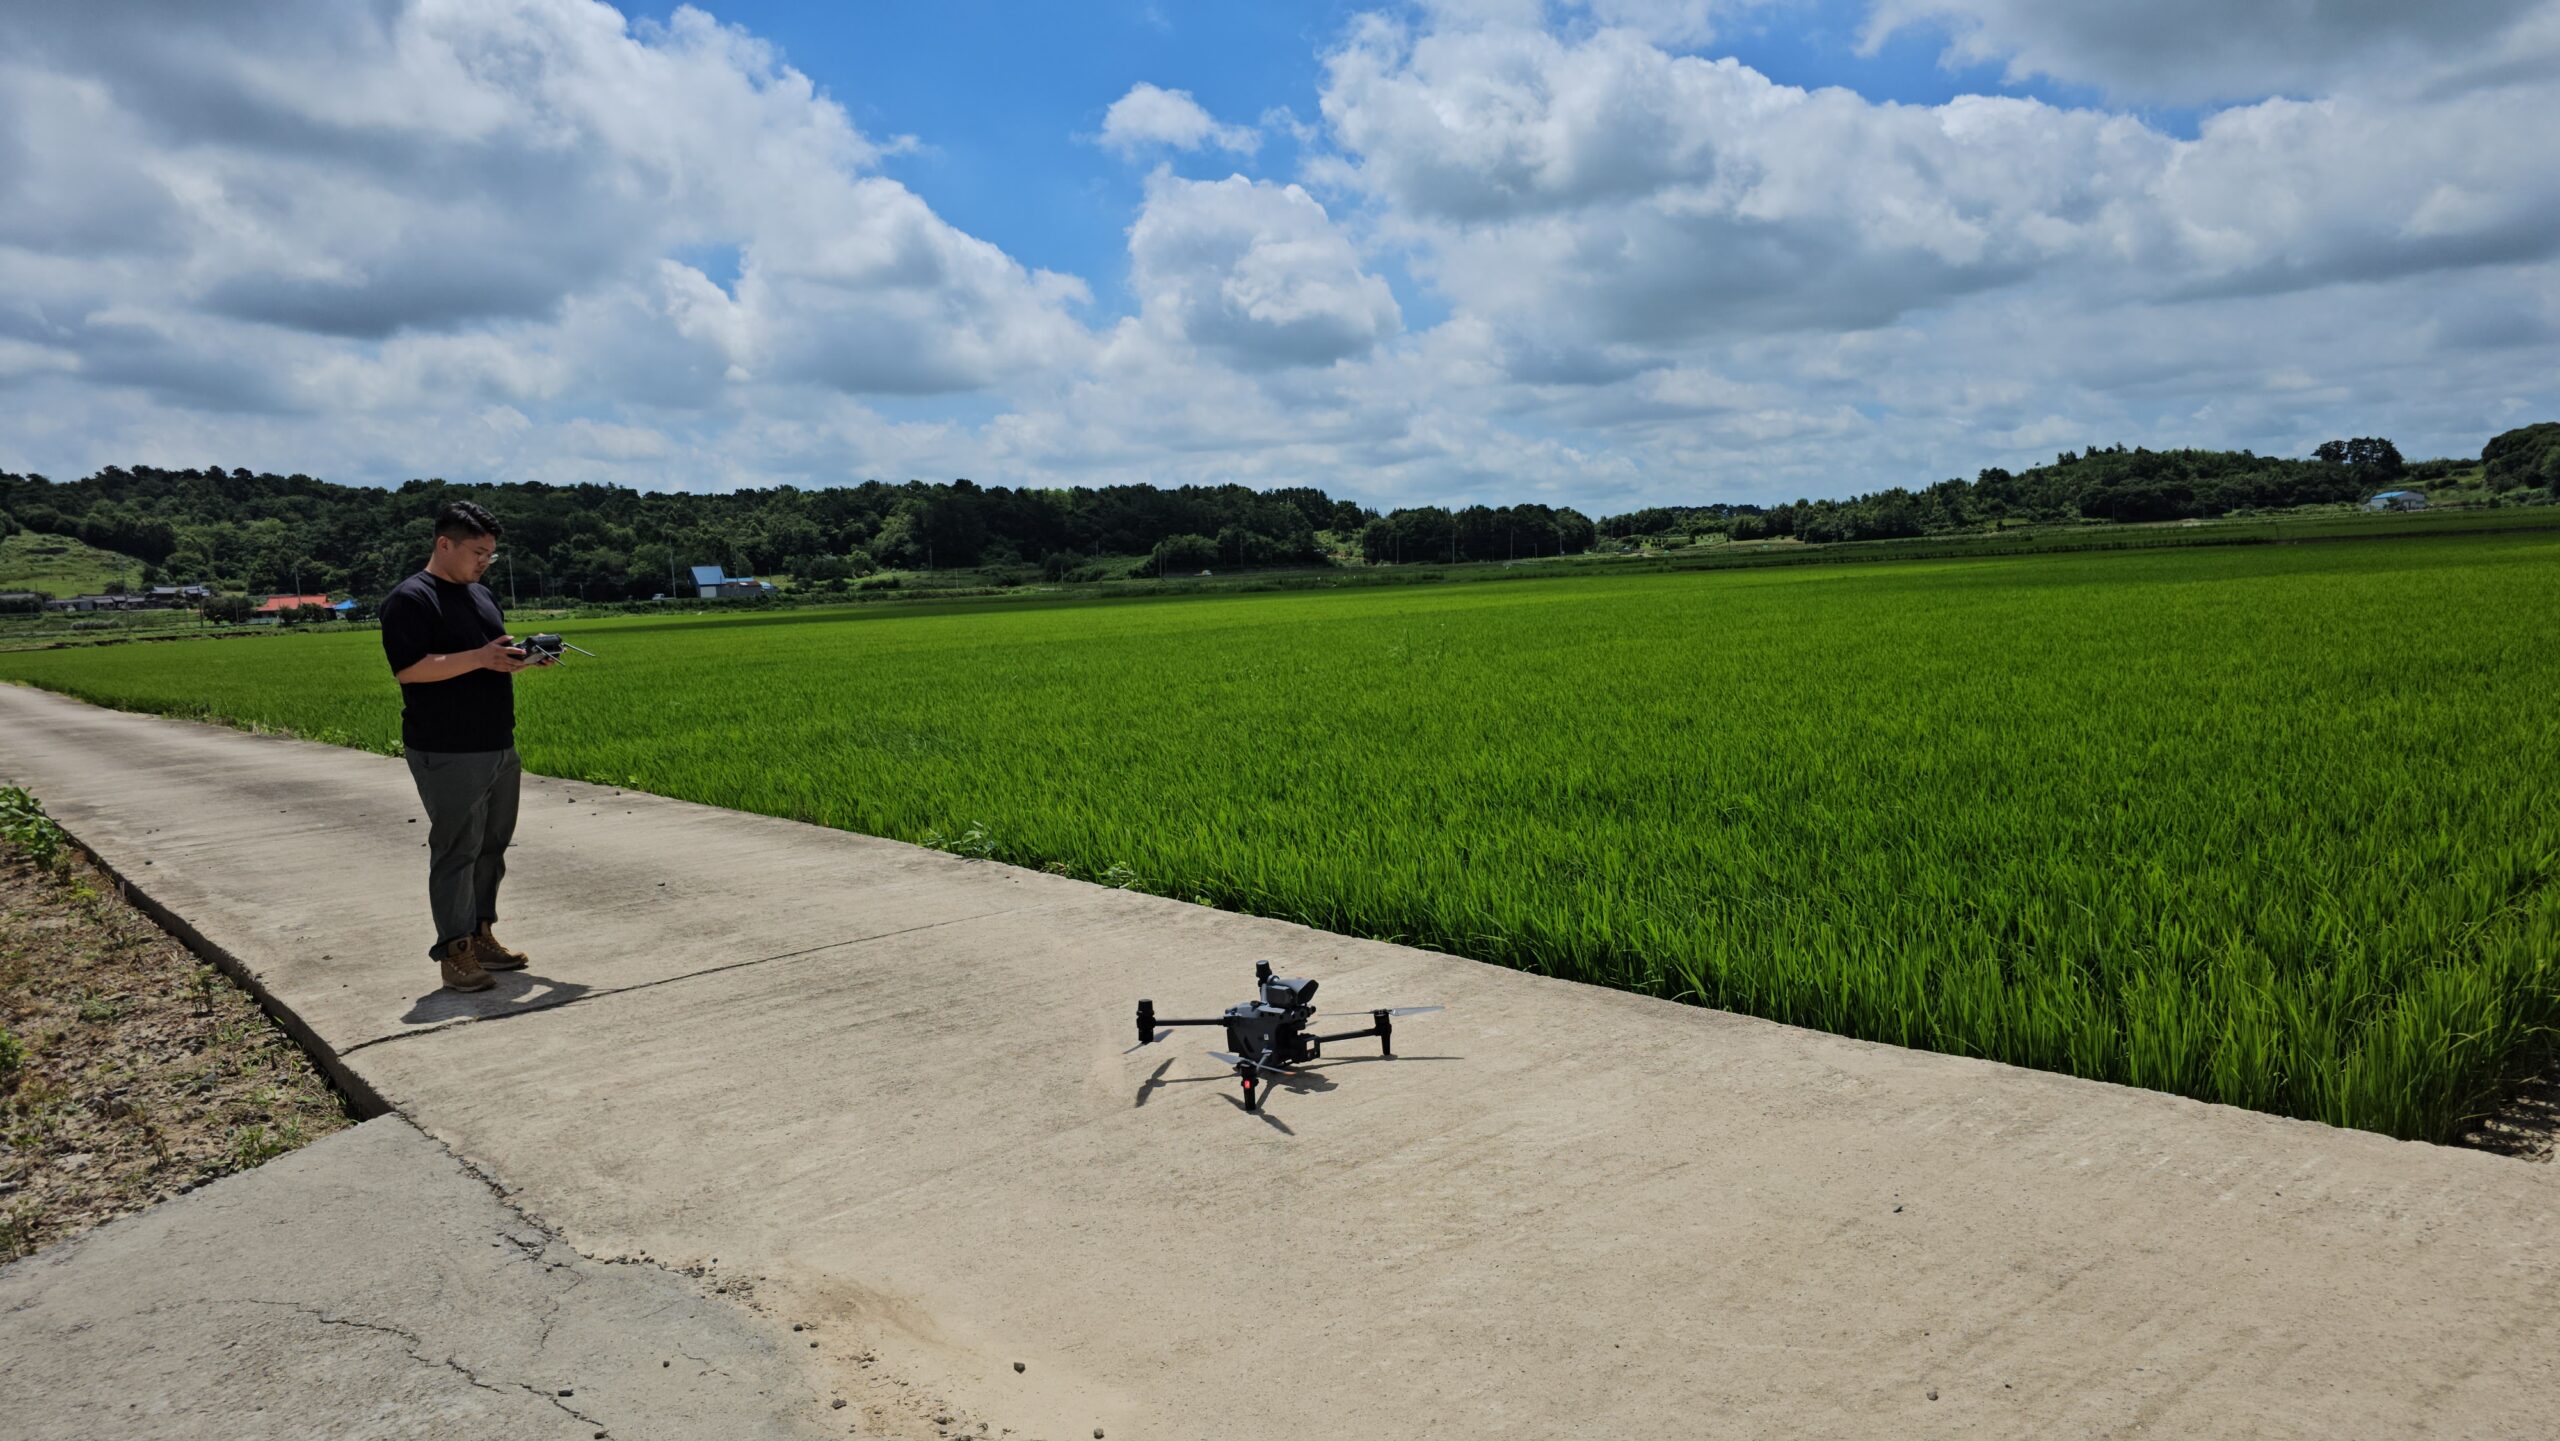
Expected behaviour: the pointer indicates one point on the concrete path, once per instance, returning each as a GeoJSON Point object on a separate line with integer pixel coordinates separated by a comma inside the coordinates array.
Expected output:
{"type": "Point", "coordinates": [885, 1085]}
{"type": "Point", "coordinates": [370, 1286]}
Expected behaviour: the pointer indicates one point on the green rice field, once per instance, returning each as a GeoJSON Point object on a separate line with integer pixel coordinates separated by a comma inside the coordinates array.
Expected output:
{"type": "Point", "coordinates": [2274, 825]}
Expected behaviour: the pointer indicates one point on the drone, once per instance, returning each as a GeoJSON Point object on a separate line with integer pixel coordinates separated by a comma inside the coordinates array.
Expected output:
{"type": "Point", "coordinates": [1268, 1036]}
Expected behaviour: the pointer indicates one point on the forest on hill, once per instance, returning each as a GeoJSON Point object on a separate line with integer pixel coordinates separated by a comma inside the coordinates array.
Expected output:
{"type": "Point", "coordinates": [251, 532]}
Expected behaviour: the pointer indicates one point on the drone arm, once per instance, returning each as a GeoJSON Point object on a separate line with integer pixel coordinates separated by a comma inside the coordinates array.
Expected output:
{"type": "Point", "coordinates": [1381, 1025]}
{"type": "Point", "coordinates": [1148, 1021]}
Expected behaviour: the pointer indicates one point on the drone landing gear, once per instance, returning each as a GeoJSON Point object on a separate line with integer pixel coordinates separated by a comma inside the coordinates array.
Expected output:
{"type": "Point", "coordinates": [1251, 1072]}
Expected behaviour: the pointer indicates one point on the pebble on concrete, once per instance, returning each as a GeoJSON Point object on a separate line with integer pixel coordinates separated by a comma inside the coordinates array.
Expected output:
{"type": "Point", "coordinates": [1018, 1368]}
{"type": "Point", "coordinates": [836, 1405]}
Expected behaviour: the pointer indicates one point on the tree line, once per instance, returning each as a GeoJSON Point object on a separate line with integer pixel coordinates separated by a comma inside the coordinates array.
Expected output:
{"type": "Point", "coordinates": [246, 531]}
{"type": "Point", "coordinates": [2111, 483]}
{"type": "Point", "coordinates": [260, 532]}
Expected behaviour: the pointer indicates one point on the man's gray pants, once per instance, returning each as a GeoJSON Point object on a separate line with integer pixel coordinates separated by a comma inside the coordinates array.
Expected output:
{"type": "Point", "coordinates": [471, 816]}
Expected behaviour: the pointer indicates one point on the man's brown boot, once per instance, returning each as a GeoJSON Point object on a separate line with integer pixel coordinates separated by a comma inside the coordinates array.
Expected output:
{"type": "Point", "coordinates": [495, 956]}
{"type": "Point", "coordinates": [461, 966]}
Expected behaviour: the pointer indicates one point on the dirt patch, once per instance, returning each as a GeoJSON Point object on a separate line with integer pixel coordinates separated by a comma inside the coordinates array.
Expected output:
{"type": "Point", "coordinates": [129, 1072]}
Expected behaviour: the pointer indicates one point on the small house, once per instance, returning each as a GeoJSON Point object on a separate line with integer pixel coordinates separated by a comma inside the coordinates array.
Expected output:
{"type": "Point", "coordinates": [2397, 500]}
{"type": "Point", "coordinates": [710, 583]}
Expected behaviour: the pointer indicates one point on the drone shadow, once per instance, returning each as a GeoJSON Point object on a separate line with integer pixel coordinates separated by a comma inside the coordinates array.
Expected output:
{"type": "Point", "coordinates": [1157, 1080]}
{"type": "Point", "coordinates": [1265, 1117]}
{"type": "Point", "coordinates": [1297, 1081]}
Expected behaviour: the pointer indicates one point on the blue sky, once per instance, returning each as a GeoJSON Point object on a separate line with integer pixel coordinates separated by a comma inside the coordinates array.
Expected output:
{"type": "Point", "coordinates": [1593, 252]}
{"type": "Point", "coordinates": [1004, 99]}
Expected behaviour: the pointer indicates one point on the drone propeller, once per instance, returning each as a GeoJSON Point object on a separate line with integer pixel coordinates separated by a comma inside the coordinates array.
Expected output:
{"type": "Point", "coordinates": [1398, 1011]}
{"type": "Point", "coordinates": [1149, 1041]}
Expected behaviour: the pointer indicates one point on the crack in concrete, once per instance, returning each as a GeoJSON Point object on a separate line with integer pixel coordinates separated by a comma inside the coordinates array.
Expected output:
{"type": "Point", "coordinates": [601, 1428]}
{"type": "Point", "coordinates": [325, 1319]}
{"type": "Point", "coordinates": [598, 994]}
{"type": "Point", "coordinates": [550, 1318]}
{"type": "Point", "coordinates": [415, 1351]}
{"type": "Point", "coordinates": [698, 1361]}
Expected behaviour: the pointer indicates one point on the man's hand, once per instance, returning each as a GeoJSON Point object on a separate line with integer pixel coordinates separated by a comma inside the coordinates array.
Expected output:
{"type": "Point", "coordinates": [500, 655]}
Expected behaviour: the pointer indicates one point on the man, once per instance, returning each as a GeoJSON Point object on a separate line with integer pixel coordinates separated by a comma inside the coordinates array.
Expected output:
{"type": "Point", "coordinates": [449, 649]}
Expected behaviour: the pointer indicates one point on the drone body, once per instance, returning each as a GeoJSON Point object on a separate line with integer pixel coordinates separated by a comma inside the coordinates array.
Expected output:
{"type": "Point", "coordinates": [1268, 1035]}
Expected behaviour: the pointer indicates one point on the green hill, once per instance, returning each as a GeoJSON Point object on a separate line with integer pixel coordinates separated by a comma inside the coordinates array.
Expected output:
{"type": "Point", "coordinates": [59, 565]}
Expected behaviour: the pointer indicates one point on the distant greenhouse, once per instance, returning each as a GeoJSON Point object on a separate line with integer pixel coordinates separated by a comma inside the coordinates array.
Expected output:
{"type": "Point", "coordinates": [2397, 500]}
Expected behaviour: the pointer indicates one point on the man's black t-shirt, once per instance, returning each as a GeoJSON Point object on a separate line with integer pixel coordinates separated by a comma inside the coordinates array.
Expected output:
{"type": "Point", "coordinates": [476, 711]}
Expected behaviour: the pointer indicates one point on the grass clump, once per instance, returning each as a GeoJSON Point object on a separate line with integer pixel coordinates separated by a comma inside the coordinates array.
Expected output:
{"type": "Point", "coordinates": [26, 828]}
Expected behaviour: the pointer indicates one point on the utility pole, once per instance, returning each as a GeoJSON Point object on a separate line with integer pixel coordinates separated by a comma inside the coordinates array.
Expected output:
{"type": "Point", "coordinates": [511, 582]}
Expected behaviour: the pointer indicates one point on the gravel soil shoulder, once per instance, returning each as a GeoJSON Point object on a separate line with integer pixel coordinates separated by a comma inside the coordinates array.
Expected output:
{"type": "Point", "coordinates": [129, 1072]}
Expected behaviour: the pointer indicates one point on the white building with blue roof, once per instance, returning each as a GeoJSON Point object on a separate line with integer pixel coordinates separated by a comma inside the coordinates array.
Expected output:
{"type": "Point", "coordinates": [710, 583]}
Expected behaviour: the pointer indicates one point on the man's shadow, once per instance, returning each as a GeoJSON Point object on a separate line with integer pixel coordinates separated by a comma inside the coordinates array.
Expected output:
{"type": "Point", "coordinates": [515, 992]}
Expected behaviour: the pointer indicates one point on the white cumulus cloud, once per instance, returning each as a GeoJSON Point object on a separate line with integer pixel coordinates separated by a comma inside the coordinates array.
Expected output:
{"type": "Point", "coordinates": [1601, 189]}
{"type": "Point", "coordinates": [1151, 116]}
{"type": "Point", "coordinates": [2198, 51]}
{"type": "Point", "coordinates": [1255, 273]}
{"type": "Point", "coordinates": [245, 208]}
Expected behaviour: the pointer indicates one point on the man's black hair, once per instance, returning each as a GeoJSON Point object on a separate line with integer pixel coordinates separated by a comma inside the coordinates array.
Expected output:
{"type": "Point", "coordinates": [463, 521]}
